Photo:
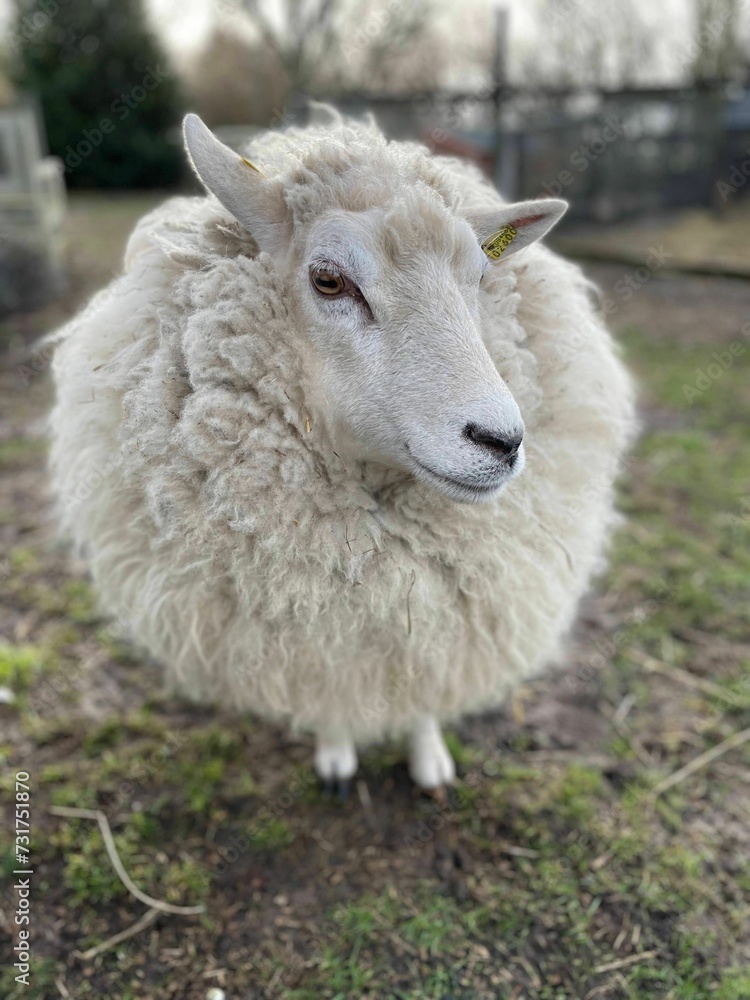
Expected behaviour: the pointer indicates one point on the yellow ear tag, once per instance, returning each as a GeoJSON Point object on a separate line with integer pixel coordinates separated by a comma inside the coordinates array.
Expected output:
{"type": "Point", "coordinates": [499, 242]}
{"type": "Point", "coordinates": [251, 165]}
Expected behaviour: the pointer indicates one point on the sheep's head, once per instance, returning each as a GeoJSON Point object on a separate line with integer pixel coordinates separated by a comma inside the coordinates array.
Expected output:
{"type": "Point", "coordinates": [389, 292]}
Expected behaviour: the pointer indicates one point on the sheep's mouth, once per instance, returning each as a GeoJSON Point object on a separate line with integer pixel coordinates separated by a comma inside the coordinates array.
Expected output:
{"type": "Point", "coordinates": [460, 490]}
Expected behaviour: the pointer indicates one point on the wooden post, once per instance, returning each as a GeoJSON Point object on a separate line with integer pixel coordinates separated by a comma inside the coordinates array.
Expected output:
{"type": "Point", "coordinates": [505, 168]}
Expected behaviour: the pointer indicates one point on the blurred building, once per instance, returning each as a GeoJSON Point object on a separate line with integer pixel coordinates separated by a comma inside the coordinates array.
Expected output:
{"type": "Point", "coordinates": [32, 207]}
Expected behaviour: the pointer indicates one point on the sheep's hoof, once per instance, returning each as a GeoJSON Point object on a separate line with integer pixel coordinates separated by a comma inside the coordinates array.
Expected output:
{"type": "Point", "coordinates": [336, 764]}
{"type": "Point", "coordinates": [337, 788]}
{"type": "Point", "coordinates": [430, 763]}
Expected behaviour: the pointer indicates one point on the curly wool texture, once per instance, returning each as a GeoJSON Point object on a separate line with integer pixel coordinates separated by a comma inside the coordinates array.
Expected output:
{"type": "Point", "coordinates": [263, 570]}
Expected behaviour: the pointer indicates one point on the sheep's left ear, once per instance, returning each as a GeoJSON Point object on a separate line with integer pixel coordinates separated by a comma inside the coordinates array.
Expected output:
{"type": "Point", "coordinates": [504, 230]}
{"type": "Point", "coordinates": [256, 202]}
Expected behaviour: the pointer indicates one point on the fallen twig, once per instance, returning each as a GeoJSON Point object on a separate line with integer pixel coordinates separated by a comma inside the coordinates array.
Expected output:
{"type": "Point", "coordinates": [517, 852]}
{"type": "Point", "coordinates": [736, 740]}
{"type": "Point", "coordinates": [62, 989]}
{"type": "Point", "coordinates": [364, 794]}
{"type": "Point", "coordinates": [148, 918]}
{"type": "Point", "coordinates": [114, 857]}
{"type": "Point", "coordinates": [622, 962]}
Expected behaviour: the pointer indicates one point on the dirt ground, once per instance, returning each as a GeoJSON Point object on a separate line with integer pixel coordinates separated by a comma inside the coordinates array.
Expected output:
{"type": "Point", "coordinates": [713, 241]}
{"type": "Point", "coordinates": [574, 859]}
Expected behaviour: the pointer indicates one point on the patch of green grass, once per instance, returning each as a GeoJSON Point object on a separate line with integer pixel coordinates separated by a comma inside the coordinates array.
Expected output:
{"type": "Point", "coordinates": [272, 834]}
{"type": "Point", "coordinates": [199, 765]}
{"type": "Point", "coordinates": [431, 928]}
{"type": "Point", "coordinates": [381, 759]}
{"type": "Point", "coordinates": [75, 599]}
{"type": "Point", "coordinates": [42, 974]}
{"type": "Point", "coordinates": [201, 778]}
{"type": "Point", "coordinates": [117, 647]}
{"type": "Point", "coordinates": [90, 879]}
{"type": "Point", "coordinates": [439, 935]}
{"type": "Point", "coordinates": [735, 985]}
{"type": "Point", "coordinates": [80, 602]}
{"type": "Point", "coordinates": [343, 976]}
{"type": "Point", "coordinates": [74, 791]}
{"type": "Point", "coordinates": [462, 754]}
{"type": "Point", "coordinates": [557, 894]}
{"type": "Point", "coordinates": [23, 560]}
{"type": "Point", "coordinates": [195, 771]}
{"type": "Point", "coordinates": [577, 794]}
{"type": "Point", "coordinates": [737, 688]}
{"type": "Point", "coordinates": [683, 559]}
{"type": "Point", "coordinates": [9, 862]}
{"type": "Point", "coordinates": [19, 453]}
{"type": "Point", "coordinates": [52, 774]}
{"type": "Point", "coordinates": [111, 732]}
{"type": "Point", "coordinates": [680, 379]}
{"type": "Point", "coordinates": [19, 665]}
{"type": "Point", "coordinates": [44, 732]}
{"type": "Point", "coordinates": [122, 729]}
{"type": "Point", "coordinates": [570, 796]}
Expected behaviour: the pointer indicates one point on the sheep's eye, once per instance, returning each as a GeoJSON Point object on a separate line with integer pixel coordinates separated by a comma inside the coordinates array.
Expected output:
{"type": "Point", "coordinates": [327, 282]}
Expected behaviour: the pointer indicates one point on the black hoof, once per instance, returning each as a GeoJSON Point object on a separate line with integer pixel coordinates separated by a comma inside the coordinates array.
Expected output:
{"type": "Point", "coordinates": [336, 787]}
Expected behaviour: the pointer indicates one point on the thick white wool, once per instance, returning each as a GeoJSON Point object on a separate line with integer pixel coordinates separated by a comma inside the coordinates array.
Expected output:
{"type": "Point", "coordinates": [264, 572]}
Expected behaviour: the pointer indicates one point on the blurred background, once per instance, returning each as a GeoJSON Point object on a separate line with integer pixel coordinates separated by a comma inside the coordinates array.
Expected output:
{"type": "Point", "coordinates": [630, 110]}
{"type": "Point", "coordinates": [597, 843]}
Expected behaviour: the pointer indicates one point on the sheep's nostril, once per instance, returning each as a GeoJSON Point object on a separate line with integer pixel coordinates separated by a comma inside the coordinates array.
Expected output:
{"type": "Point", "coordinates": [506, 446]}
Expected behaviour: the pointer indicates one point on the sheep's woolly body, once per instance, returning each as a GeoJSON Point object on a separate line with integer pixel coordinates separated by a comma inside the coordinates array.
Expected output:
{"type": "Point", "coordinates": [194, 466]}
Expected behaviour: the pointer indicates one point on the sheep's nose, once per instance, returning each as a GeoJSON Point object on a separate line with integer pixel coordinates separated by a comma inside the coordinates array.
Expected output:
{"type": "Point", "coordinates": [505, 446]}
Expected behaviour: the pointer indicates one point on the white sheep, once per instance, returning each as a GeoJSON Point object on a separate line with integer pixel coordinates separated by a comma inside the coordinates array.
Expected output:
{"type": "Point", "coordinates": [289, 438]}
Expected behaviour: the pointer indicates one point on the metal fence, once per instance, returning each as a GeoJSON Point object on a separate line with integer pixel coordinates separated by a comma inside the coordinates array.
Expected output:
{"type": "Point", "coordinates": [611, 154]}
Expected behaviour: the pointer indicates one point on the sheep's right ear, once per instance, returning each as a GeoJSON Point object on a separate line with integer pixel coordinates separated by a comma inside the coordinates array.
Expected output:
{"type": "Point", "coordinates": [503, 231]}
{"type": "Point", "coordinates": [256, 202]}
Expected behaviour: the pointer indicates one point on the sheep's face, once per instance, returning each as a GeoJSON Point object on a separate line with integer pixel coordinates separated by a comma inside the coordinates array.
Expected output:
{"type": "Point", "coordinates": [391, 299]}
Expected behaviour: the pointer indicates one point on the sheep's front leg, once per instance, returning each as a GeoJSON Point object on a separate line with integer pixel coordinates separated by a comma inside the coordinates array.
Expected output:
{"type": "Point", "coordinates": [430, 762]}
{"type": "Point", "coordinates": [335, 758]}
